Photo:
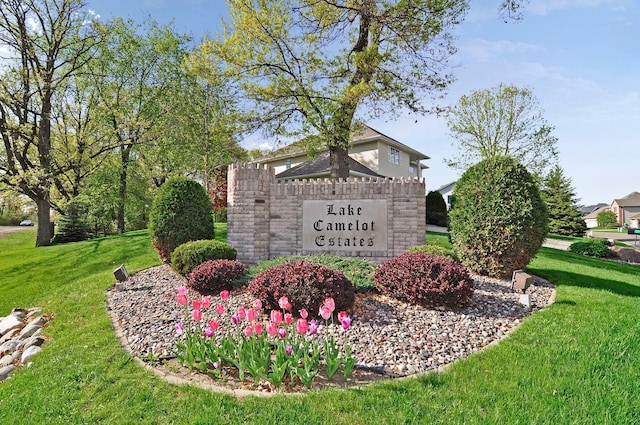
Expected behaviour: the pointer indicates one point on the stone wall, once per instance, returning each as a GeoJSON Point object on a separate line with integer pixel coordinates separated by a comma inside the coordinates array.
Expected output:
{"type": "Point", "coordinates": [266, 220]}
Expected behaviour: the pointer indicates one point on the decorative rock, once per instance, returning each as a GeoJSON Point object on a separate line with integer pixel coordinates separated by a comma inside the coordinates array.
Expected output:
{"type": "Point", "coordinates": [28, 331]}
{"type": "Point", "coordinates": [28, 353]}
{"type": "Point", "coordinates": [9, 323]}
{"type": "Point", "coordinates": [10, 346]}
{"type": "Point", "coordinates": [33, 341]}
{"type": "Point", "coordinates": [5, 371]}
{"type": "Point", "coordinates": [20, 338]}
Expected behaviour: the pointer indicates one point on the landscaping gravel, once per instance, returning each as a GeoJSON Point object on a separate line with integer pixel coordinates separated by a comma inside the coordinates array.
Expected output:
{"type": "Point", "coordinates": [386, 335]}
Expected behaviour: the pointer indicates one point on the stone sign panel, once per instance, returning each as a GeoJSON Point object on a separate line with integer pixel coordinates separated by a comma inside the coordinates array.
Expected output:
{"type": "Point", "coordinates": [344, 225]}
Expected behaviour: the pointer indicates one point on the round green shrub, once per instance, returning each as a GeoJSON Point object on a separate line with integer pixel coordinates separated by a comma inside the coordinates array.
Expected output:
{"type": "Point", "coordinates": [591, 247]}
{"type": "Point", "coordinates": [181, 212]}
{"type": "Point", "coordinates": [498, 220]}
{"type": "Point", "coordinates": [306, 285]}
{"type": "Point", "coordinates": [189, 255]}
{"type": "Point", "coordinates": [424, 279]}
{"type": "Point", "coordinates": [433, 249]}
{"type": "Point", "coordinates": [436, 209]}
{"type": "Point", "coordinates": [215, 275]}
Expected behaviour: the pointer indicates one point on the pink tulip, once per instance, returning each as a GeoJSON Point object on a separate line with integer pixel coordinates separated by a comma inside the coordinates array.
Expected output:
{"type": "Point", "coordinates": [242, 313]}
{"type": "Point", "coordinates": [303, 313]}
{"type": "Point", "coordinates": [276, 316]}
{"type": "Point", "coordinates": [282, 333]}
{"type": "Point", "coordinates": [346, 322]}
{"type": "Point", "coordinates": [206, 301]}
{"type": "Point", "coordinates": [235, 319]}
{"type": "Point", "coordinates": [197, 315]}
{"type": "Point", "coordinates": [208, 332]}
{"type": "Point", "coordinates": [248, 331]}
{"type": "Point", "coordinates": [197, 304]}
{"type": "Point", "coordinates": [252, 315]}
{"type": "Point", "coordinates": [220, 309]}
{"type": "Point", "coordinates": [257, 304]}
{"type": "Point", "coordinates": [272, 329]}
{"type": "Point", "coordinates": [330, 304]}
{"type": "Point", "coordinates": [181, 299]}
{"type": "Point", "coordinates": [313, 327]}
{"type": "Point", "coordinates": [179, 329]}
{"type": "Point", "coordinates": [182, 290]}
{"type": "Point", "coordinates": [288, 318]}
{"type": "Point", "coordinates": [342, 315]}
{"type": "Point", "coordinates": [288, 349]}
{"type": "Point", "coordinates": [284, 303]}
{"type": "Point", "coordinates": [214, 324]}
{"type": "Point", "coordinates": [302, 326]}
{"type": "Point", "coordinates": [257, 328]}
{"type": "Point", "coordinates": [324, 312]}
{"type": "Point", "coordinates": [216, 365]}
{"type": "Point", "coordinates": [224, 295]}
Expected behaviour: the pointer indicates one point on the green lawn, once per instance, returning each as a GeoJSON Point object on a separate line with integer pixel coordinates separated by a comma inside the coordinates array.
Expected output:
{"type": "Point", "coordinates": [577, 362]}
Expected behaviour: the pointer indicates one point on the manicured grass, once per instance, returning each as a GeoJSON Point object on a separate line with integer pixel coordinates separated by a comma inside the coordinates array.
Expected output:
{"type": "Point", "coordinates": [577, 362]}
{"type": "Point", "coordinates": [563, 238]}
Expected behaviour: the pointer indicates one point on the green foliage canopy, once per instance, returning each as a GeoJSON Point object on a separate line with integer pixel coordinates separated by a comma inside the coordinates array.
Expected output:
{"type": "Point", "coordinates": [503, 120]}
{"type": "Point", "coordinates": [310, 66]}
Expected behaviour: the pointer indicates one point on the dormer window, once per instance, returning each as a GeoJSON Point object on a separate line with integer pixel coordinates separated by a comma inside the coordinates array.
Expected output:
{"type": "Point", "coordinates": [394, 156]}
{"type": "Point", "coordinates": [287, 164]}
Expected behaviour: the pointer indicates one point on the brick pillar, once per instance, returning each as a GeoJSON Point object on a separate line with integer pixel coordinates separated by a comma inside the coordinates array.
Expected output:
{"type": "Point", "coordinates": [248, 203]}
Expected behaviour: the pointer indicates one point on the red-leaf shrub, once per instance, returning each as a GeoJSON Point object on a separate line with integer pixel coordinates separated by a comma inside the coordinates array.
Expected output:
{"type": "Point", "coordinates": [306, 285]}
{"type": "Point", "coordinates": [424, 279]}
{"type": "Point", "coordinates": [215, 275]}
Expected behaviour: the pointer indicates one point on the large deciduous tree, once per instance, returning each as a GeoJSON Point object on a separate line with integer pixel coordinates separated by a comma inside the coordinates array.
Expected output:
{"type": "Point", "coordinates": [315, 66]}
{"type": "Point", "coordinates": [502, 121]}
{"type": "Point", "coordinates": [136, 73]}
{"type": "Point", "coordinates": [47, 43]}
{"type": "Point", "coordinates": [560, 197]}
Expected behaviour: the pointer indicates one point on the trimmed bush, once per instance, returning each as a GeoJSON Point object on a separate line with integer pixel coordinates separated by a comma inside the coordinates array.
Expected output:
{"type": "Point", "coordinates": [359, 271]}
{"type": "Point", "coordinates": [306, 285]}
{"type": "Point", "coordinates": [433, 249]}
{"type": "Point", "coordinates": [215, 275]}
{"type": "Point", "coordinates": [181, 212]}
{"type": "Point", "coordinates": [497, 220]}
{"type": "Point", "coordinates": [189, 255]}
{"type": "Point", "coordinates": [436, 209]}
{"type": "Point", "coordinates": [592, 247]}
{"type": "Point", "coordinates": [424, 279]}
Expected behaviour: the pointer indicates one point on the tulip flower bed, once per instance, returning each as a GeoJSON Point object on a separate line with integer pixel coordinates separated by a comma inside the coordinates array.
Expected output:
{"type": "Point", "coordinates": [276, 348]}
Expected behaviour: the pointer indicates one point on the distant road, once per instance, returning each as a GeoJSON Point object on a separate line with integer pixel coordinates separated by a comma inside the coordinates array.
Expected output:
{"type": "Point", "coordinates": [5, 230]}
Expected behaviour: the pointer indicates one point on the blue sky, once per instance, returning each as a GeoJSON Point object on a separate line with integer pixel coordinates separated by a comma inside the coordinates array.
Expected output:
{"type": "Point", "coordinates": [581, 59]}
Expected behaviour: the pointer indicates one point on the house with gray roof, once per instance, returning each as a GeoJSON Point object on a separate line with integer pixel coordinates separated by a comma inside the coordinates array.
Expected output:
{"type": "Point", "coordinates": [371, 154]}
{"type": "Point", "coordinates": [627, 209]}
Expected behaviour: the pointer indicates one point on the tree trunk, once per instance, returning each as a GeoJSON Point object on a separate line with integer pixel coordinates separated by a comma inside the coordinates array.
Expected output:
{"type": "Point", "coordinates": [45, 229]}
{"type": "Point", "coordinates": [339, 162]}
{"type": "Point", "coordinates": [122, 191]}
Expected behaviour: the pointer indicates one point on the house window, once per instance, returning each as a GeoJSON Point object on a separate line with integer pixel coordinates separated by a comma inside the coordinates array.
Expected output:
{"type": "Point", "coordinates": [287, 164]}
{"type": "Point", "coordinates": [394, 156]}
{"type": "Point", "coordinates": [412, 169]}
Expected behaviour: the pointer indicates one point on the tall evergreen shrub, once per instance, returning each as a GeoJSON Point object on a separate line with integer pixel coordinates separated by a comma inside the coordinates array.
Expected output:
{"type": "Point", "coordinates": [498, 220]}
{"type": "Point", "coordinates": [436, 209]}
{"type": "Point", "coordinates": [181, 212]}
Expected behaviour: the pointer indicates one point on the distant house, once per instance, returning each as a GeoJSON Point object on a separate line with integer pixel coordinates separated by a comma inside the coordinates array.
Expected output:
{"type": "Point", "coordinates": [592, 218]}
{"type": "Point", "coordinates": [371, 153]}
{"type": "Point", "coordinates": [627, 209]}
{"type": "Point", "coordinates": [446, 191]}
{"type": "Point", "coordinates": [588, 209]}
{"type": "Point", "coordinates": [635, 221]}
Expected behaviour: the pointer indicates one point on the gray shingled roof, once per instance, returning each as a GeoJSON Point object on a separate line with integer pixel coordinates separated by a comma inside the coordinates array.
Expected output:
{"type": "Point", "coordinates": [320, 166]}
{"type": "Point", "coordinates": [631, 200]}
